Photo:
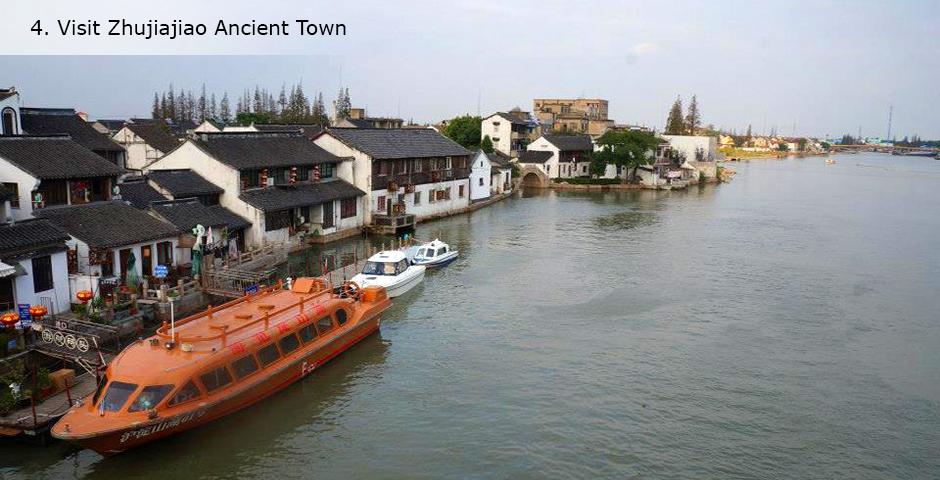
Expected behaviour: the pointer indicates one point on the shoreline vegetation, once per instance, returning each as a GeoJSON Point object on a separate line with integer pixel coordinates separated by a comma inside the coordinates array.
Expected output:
{"type": "Point", "coordinates": [738, 154]}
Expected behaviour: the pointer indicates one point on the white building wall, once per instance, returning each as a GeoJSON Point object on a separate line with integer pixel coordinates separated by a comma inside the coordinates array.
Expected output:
{"type": "Point", "coordinates": [480, 182]}
{"type": "Point", "coordinates": [12, 102]}
{"type": "Point", "coordinates": [357, 172]}
{"type": "Point", "coordinates": [500, 134]}
{"type": "Point", "coordinates": [427, 208]}
{"type": "Point", "coordinates": [688, 144]}
{"type": "Point", "coordinates": [138, 154]}
{"type": "Point", "coordinates": [57, 298]}
{"type": "Point", "coordinates": [26, 183]}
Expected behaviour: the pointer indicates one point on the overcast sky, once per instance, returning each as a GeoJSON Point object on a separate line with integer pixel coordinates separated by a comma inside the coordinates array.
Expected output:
{"type": "Point", "coordinates": [825, 67]}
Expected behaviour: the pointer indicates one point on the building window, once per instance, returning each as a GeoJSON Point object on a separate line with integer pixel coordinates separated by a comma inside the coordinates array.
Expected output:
{"type": "Point", "coordinates": [448, 163]}
{"type": "Point", "coordinates": [347, 207]}
{"type": "Point", "coordinates": [251, 178]}
{"type": "Point", "coordinates": [303, 174]}
{"type": "Point", "coordinates": [327, 170]}
{"type": "Point", "coordinates": [432, 195]}
{"type": "Point", "coordinates": [381, 203]}
{"type": "Point", "coordinates": [276, 220]}
{"type": "Point", "coordinates": [481, 181]}
{"type": "Point", "coordinates": [165, 253]}
{"type": "Point", "coordinates": [42, 274]}
{"type": "Point", "coordinates": [15, 189]}
{"type": "Point", "coordinates": [9, 121]}
{"type": "Point", "coordinates": [419, 164]}
{"type": "Point", "coordinates": [460, 189]}
{"type": "Point", "coordinates": [417, 200]}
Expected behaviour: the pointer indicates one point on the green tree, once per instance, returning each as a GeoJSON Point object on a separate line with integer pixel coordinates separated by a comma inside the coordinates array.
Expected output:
{"type": "Point", "coordinates": [675, 125]}
{"type": "Point", "coordinates": [782, 147]}
{"type": "Point", "coordinates": [626, 149]}
{"type": "Point", "coordinates": [801, 145]}
{"type": "Point", "coordinates": [465, 130]}
{"type": "Point", "coordinates": [155, 110]}
{"type": "Point", "coordinates": [693, 118]}
{"type": "Point", "coordinates": [486, 144]}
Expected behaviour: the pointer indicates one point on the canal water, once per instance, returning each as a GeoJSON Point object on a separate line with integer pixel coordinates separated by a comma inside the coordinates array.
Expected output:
{"type": "Point", "coordinates": [784, 325]}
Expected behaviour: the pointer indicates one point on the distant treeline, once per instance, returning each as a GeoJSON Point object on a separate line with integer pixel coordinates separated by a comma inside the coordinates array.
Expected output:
{"type": "Point", "coordinates": [260, 106]}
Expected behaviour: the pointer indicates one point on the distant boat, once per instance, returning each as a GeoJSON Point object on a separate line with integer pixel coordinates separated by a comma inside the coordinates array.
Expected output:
{"type": "Point", "coordinates": [392, 270]}
{"type": "Point", "coordinates": [434, 254]}
{"type": "Point", "coordinates": [830, 161]}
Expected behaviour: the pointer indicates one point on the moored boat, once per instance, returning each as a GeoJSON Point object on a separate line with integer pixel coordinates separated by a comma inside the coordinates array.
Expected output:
{"type": "Point", "coordinates": [434, 254]}
{"type": "Point", "coordinates": [391, 270]}
{"type": "Point", "coordinates": [222, 360]}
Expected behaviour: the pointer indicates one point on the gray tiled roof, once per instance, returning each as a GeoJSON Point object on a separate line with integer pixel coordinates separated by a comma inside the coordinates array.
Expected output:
{"type": "Point", "coordinates": [47, 121]}
{"type": "Point", "coordinates": [571, 142]}
{"type": "Point", "coordinates": [299, 195]}
{"type": "Point", "coordinates": [186, 214]}
{"type": "Point", "coordinates": [391, 143]}
{"type": "Point", "coordinates": [183, 183]}
{"type": "Point", "coordinates": [310, 130]}
{"type": "Point", "coordinates": [108, 224]}
{"type": "Point", "coordinates": [534, 156]}
{"type": "Point", "coordinates": [156, 135]}
{"type": "Point", "coordinates": [510, 118]}
{"type": "Point", "coordinates": [55, 157]}
{"type": "Point", "coordinates": [498, 159]}
{"type": "Point", "coordinates": [26, 238]}
{"type": "Point", "coordinates": [250, 150]}
{"type": "Point", "coordinates": [139, 193]}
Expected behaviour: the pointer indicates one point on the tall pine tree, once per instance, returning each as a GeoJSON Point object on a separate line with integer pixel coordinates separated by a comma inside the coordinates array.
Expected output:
{"type": "Point", "coordinates": [693, 118]}
{"type": "Point", "coordinates": [224, 113]}
{"type": "Point", "coordinates": [675, 125]}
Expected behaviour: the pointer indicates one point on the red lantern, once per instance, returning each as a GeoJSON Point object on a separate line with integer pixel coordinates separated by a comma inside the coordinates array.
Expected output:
{"type": "Point", "coordinates": [293, 175]}
{"type": "Point", "coordinates": [9, 319]}
{"type": "Point", "coordinates": [316, 173]}
{"type": "Point", "coordinates": [84, 296]}
{"type": "Point", "coordinates": [38, 311]}
{"type": "Point", "coordinates": [264, 177]}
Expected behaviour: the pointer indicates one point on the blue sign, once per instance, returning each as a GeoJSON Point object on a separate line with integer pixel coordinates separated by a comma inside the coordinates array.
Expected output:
{"type": "Point", "coordinates": [25, 319]}
{"type": "Point", "coordinates": [251, 289]}
{"type": "Point", "coordinates": [160, 271]}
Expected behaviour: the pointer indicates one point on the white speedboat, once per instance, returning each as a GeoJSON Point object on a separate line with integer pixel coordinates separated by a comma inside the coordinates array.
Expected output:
{"type": "Point", "coordinates": [392, 270]}
{"type": "Point", "coordinates": [435, 254]}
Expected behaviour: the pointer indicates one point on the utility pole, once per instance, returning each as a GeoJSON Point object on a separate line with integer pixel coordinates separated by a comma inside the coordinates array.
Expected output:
{"type": "Point", "coordinates": [859, 137]}
{"type": "Point", "coordinates": [890, 114]}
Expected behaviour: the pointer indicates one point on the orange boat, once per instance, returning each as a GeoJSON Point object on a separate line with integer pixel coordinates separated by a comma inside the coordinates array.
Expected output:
{"type": "Point", "coordinates": [220, 361]}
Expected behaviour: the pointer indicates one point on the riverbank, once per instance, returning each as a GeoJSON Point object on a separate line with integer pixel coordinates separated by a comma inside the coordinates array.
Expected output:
{"type": "Point", "coordinates": [737, 154]}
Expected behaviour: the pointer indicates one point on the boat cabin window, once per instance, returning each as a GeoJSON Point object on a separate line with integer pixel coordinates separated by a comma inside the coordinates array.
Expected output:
{"type": "Point", "coordinates": [402, 266]}
{"type": "Point", "coordinates": [341, 316]}
{"type": "Point", "coordinates": [149, 397]}
{"type": "Point", "coordinates": [215, 379]}
{"type": "Point", "coordinates": [288, 343]}
{"type": "Point", "coordinates": [185, 394]}
{"type": "Point", "coordinates": [244, 366]}
{"type": "Point", "coordinates": [442, 250]}
{"type": "Point", "coordinates": [117, 395]}
{"type": "Point", "coordinates": [324, 325]}
{"type": "Point", "coordinates": [268, 355]}
{"type": "Point", "coordinates": [422, 252]}
{"type": "Point", "coordinates": [308, 333]}
{"type": "Point", "coordinates": [382, 268]}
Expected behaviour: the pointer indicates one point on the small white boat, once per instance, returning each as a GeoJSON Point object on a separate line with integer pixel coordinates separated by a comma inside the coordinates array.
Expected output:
{"type": "Point", "coordinates": [435, 254]}
{"type": "Point", "coordinates": [392, 270]}
{"type": "Point", "coordinates": [830, 161]}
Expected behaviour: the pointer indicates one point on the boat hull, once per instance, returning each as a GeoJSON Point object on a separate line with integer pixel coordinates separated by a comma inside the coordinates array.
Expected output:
{"type": "Point", "coordinates": [403, 287]}
{"type": "Point", "coordinates": [439, 261]}
{"type": "Point", "coordinates": [120, 440]}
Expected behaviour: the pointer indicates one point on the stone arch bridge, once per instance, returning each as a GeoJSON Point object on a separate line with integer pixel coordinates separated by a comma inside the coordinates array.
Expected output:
{"type": "Point", "coordinates": [533, 177]}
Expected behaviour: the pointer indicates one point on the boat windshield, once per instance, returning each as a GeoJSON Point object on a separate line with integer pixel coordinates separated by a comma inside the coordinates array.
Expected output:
{"type": "Point", "coordinates": [422, 253]}
{"type": "Point", "coordinates": [149, 397]}
{"type": "Point", "coordinates": [116, 396]}
{"type": "Point", "coordinates": [379, 268]}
